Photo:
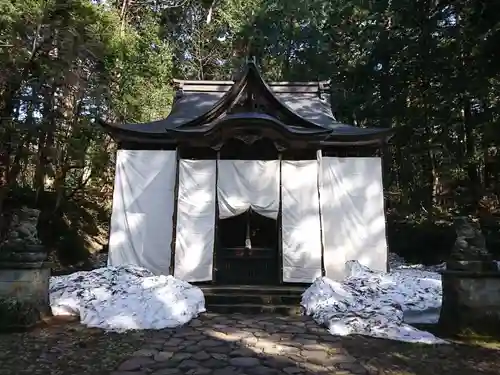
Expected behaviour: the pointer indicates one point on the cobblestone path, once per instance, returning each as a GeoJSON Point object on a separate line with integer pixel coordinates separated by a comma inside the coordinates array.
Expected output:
{"type": "Point", "coordinates": [242, 344]}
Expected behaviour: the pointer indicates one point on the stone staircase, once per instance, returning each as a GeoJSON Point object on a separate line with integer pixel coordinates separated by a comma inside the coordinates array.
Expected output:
{"type": "Point", "coordinates": [253, 299]}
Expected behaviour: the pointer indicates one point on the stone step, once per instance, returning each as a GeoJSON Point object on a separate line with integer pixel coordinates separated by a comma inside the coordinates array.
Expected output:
{"type": "Point", "coordinates": [253, 289]}
{"type": "Point", "coordinates": [253, 299]}
{"type": "Point", "coordinates": [249, 308]}
{"type": "Point", "coordinates": [256, 299]}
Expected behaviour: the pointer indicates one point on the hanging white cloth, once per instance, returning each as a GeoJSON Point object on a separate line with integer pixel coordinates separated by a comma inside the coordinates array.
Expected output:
{"type": "Point", "coordinates": [244, 184]}
{"type": "Point", "coordinates": [195, 220]}
{"type": "Point", "coordinates": [143, 205]}
{"type": "Point", "coordinates": [300, 221]}
{"type": "Point", "coordinates": [352, 209]}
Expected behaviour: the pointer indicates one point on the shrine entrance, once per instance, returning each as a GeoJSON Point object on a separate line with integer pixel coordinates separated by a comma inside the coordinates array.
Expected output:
{"type": "Point", "coordinates": [248, 251]}
{"type": "Point", "coordinates": [247, 245]}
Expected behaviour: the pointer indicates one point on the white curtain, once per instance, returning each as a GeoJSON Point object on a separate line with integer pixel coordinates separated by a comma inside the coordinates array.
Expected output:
{"type": "Point", "coordinates": [352, 208]}
{"type": "Point", "coordinates": [301, 231]}
{"type": "Point", "coordinates": [248, 183]}
{"type": "Point", "coordinates": [143, 205]}
{"type": "Point", "coordinates": [195, 220]}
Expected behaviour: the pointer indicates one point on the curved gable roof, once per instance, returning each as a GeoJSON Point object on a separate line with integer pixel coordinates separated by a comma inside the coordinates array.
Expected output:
{"type": "Point", "coordinates": [201, 103]}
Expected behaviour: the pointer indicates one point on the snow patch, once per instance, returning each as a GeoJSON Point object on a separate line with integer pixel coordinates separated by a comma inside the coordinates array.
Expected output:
{"type": "Point", "coordinates": [125, 297]}
{"type": "Point", "coordinates": [375, 303]}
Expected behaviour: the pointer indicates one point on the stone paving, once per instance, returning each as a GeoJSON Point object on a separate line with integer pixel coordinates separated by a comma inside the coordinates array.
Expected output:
{"type": "Point", "coordinates": [217, 344]}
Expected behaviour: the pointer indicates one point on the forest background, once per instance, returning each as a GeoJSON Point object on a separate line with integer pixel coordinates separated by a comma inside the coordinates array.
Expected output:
{"type": "Point", "coordinates": [428, 68]}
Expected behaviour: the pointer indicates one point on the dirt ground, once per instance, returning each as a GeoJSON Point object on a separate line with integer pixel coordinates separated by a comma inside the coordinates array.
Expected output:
{"type": "Point", "coordinates": [463, 356]}
{"type": "Point", "coordinates": [65, 347]}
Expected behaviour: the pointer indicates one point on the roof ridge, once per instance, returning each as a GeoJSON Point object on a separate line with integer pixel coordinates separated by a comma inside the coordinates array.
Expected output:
{"type": "Point", "coordinates": [184, 82]}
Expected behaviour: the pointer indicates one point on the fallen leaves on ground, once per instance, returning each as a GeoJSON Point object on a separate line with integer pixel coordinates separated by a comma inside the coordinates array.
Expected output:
{"type": "Point", "coordinates": [464, 356]}
{"type": "Point", "coordinates": [64, 348]}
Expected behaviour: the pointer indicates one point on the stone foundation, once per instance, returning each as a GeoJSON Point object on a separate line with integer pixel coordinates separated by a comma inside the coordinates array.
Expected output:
{"type": "Point", "coordinates": [471, 299]}
{"type": "Point", "coordinates": [24, 297]}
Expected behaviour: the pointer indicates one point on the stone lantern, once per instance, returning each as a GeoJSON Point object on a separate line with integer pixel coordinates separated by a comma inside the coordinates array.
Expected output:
{"type": "Point", "coordinates": [24, 274]}
{"type": "Point", "coordinates": [471, 283]}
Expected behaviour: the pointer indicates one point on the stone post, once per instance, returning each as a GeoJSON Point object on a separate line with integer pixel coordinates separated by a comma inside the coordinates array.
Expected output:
{"type": "Point", "coordinates": [24, 274]}
{"type": "Point", "coordinates": [471, 282]}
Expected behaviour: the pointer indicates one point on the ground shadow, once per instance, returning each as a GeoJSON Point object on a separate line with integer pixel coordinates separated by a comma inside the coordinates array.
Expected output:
{"type": "Point", "coordinates": [254, 344]}
{"type": "Point", "coordinates": [264, 344]}
{"type": "Point", "coordinates": [395, 358]}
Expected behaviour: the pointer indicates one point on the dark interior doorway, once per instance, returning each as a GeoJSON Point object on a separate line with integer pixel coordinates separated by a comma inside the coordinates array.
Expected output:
{"type": "Point", "coordinates": [247, 252]}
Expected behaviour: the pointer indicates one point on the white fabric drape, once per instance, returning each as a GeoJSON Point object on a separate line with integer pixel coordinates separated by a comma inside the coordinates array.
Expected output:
{"type": "Point", "coordinates": [352, 208]}
{"type": "Point", "coordinates": [300, 221]}
{"type": "Point", "coordinates": [248, 183]}
{"type": "Point", "coordinates": [195, 220]}
{"type": "Point", "coordinates": [143, 205]}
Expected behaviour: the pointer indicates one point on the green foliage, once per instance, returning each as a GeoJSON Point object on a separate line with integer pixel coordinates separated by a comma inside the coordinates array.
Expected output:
{"type": "Point", "coordinates": [141, 64]}
{"type": "Point", "coordinates": [63, 64]}
{"type": "Point", "coordinates": [429, 69]}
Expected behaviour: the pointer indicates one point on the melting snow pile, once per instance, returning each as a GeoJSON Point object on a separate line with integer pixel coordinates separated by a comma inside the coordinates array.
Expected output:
{"type": "Point", "coordinates": [125, 297]}
{"type": "Point", "coordinates": [374, 303]}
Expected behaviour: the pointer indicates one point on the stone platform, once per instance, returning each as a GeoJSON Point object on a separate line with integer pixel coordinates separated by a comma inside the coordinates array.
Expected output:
{"type": "Point", "coordinates": [217, 344]}
{"type": "Point", "coordinates": [253, 299]}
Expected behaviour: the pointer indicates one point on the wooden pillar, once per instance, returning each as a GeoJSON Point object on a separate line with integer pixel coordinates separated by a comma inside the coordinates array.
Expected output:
{"type": "Point", "coordinates": [384, 154]}
{"type": "Point", "coordinates": [216, 222]}
{"type": "Point", "coordinates": [174, 215]}
{"type": "Point", "coordinates": [319, 158]}
{"type": "Point", "coordinates": [280, 224]}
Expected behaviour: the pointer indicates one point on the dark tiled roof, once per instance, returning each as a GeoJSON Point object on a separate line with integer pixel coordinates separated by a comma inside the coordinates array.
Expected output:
{"type": "Point", "coordinates": [200, 105]}
{"type": "Point", "coordinates": [187, 108]}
